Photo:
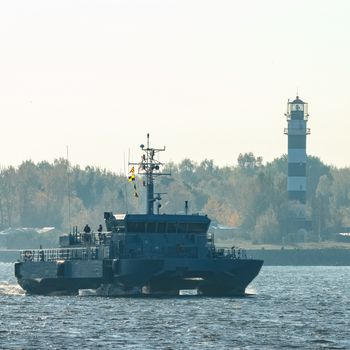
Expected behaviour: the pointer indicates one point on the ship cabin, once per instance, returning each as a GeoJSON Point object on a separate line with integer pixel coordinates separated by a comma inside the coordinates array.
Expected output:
{"type": "Point", "coordinates": [159, 236]}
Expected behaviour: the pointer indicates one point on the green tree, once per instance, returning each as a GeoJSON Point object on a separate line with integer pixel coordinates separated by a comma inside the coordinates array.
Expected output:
{"type": "Point", "coordinates": [267, 228]}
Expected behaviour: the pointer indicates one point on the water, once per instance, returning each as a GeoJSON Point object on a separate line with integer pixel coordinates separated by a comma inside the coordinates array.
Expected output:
{"type": "Point", "coordinates": [293, 307]}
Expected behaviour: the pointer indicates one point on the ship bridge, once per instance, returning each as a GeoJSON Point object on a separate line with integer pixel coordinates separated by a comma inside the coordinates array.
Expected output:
{"type": "Point", "coordinates": [138, 235]}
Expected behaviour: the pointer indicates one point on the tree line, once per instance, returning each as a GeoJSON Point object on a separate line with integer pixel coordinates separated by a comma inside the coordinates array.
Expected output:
{"type": "Point", "coordinates": [249, 194]}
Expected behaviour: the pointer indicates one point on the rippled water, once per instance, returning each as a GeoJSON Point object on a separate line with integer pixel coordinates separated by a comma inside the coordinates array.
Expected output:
{"type": "Point", "coordinates": [300, 307]}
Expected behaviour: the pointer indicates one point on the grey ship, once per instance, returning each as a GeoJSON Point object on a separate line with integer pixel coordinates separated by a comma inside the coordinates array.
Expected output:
{"type": "Point", "coordinates": [152, 253]}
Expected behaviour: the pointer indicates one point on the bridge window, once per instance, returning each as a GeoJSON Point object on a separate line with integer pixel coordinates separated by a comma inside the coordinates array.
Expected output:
{"type": "Point", "coordinates": [181, 227]}
{"type": "Point", "coordinates": [151, 227]}
{"type": "Point", "coordinates": [197, 228]}
{"type": "Point", "coordinates": [161, 227]}
{"type": "Point", "coordinates": [171, 227]}
{"type": "Point", "coordinates": [136, 227]}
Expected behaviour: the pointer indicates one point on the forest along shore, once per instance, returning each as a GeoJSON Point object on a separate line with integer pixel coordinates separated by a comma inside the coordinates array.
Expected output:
{"type": "Point", "coordinates": [271, 257]}
{"type": "Point", "coordinates": [247, 194]}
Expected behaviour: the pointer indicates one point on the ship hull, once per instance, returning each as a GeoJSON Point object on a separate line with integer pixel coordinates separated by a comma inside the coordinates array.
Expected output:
{"type": "Point", "coordinates": [211, 277]}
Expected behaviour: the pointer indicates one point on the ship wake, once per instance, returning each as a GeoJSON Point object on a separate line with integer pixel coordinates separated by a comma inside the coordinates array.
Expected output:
{"type": "Point", "coordinates": [8, 288]}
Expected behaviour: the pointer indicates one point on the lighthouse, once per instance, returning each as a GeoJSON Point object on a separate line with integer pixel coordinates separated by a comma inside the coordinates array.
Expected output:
{"type": "Point", "coordinates": [297, 118]}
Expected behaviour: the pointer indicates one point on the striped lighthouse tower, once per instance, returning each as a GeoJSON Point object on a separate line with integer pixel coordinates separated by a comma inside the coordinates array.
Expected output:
{"type": "Point", "coordinates": [297, 117]}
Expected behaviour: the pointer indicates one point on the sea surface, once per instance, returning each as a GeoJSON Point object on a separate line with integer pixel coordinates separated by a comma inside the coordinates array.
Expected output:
{"type": "Point", "coordinates": [289, 307]}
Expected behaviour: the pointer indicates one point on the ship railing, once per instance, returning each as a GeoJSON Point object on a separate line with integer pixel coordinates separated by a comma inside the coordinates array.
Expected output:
{"type": "Point", "coordinates": [92, 238]}
{"type": "Point", "coordinates": [226, 253]}
{"type": "Point", "coordinates": [88, 253]}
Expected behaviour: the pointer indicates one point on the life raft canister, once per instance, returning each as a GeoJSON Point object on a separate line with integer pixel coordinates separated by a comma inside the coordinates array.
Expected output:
{"type": "Point", "coordinates": [28, 255]}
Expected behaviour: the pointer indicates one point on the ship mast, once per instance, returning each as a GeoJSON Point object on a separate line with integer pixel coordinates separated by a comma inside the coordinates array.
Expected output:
{"type": "Point", "coordinates": [149, 168]}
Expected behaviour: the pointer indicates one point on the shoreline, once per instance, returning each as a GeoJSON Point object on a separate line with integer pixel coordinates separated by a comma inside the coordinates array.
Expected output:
{"type": "Point", "coordinates": [302, 257]}
{"type": "Point", "coordinates": [9, 255]}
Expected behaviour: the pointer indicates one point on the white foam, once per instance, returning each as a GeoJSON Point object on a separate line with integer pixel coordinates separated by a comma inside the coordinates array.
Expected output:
{"type": "Point", "coordinates": [7, 288]}
{"type": "Point", "coordinates": [87, 292]}
{"type": "Point", "coordinates": [250, 291]}
{"type": "Point", "coordinates": [188, 292]}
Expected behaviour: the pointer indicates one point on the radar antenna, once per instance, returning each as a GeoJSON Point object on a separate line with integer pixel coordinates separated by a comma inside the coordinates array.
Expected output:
{"type": "Point", "coordinates": [149, 167]}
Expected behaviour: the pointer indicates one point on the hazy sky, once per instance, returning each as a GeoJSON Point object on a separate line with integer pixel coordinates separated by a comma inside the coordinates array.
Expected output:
{"type": "Point", "coordinates": [208, 79]}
